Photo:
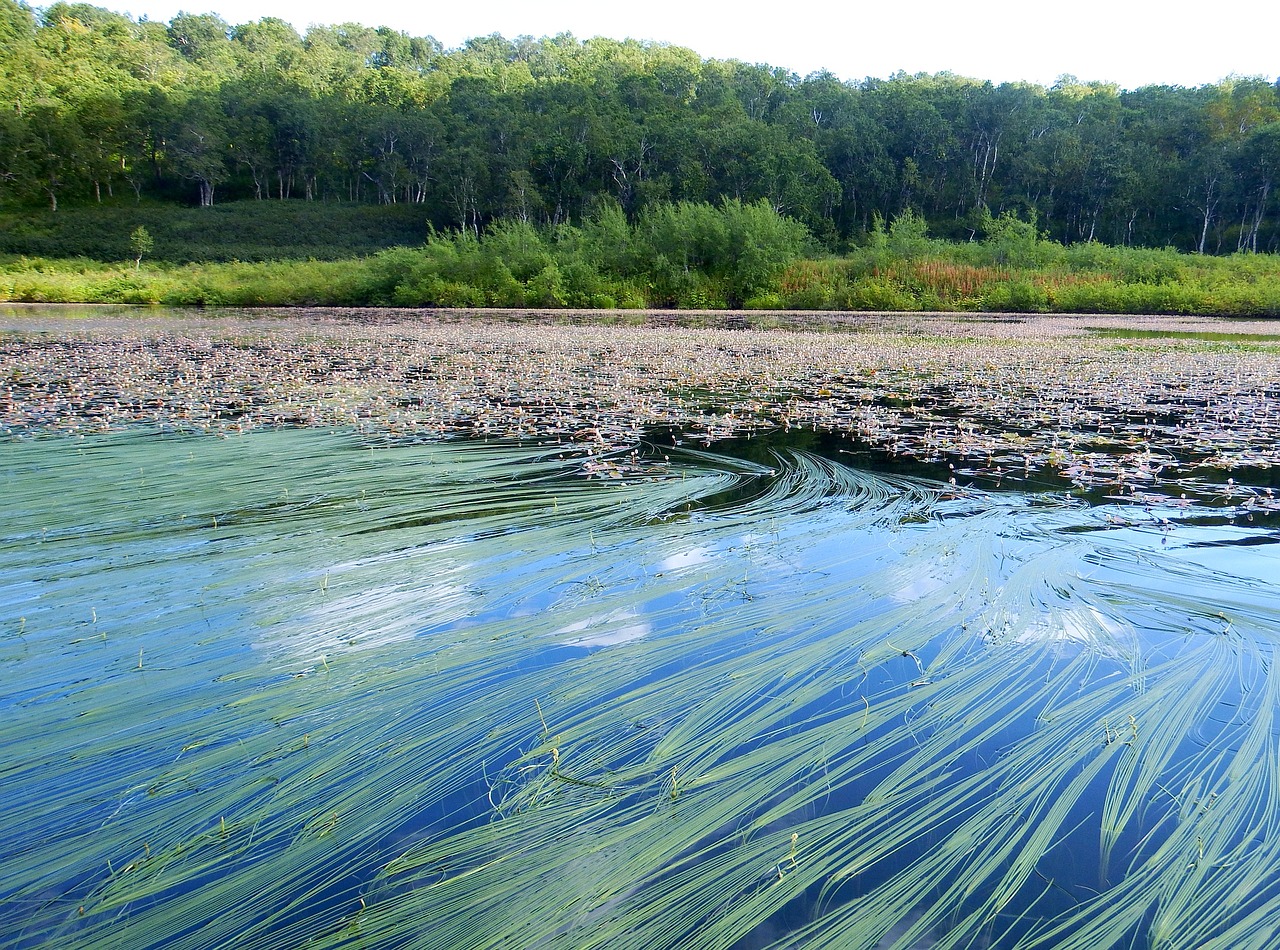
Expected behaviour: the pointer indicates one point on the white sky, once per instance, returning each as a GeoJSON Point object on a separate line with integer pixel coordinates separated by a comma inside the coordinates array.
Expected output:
{"type": "Point", "coordinates": [1129, 42]}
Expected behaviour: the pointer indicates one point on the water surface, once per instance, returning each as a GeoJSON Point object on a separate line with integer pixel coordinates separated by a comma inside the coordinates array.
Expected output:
{"type": "Point", "coordinates": [296, 687]}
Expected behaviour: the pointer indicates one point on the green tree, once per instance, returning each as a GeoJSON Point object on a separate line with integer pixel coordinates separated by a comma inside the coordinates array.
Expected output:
{"type": "Point", "coordinates": [1259, 161]}
{"type": "Point", "coordinates": [200, 149]}
{"type": "Point", "coordinates": [140, 244]}
{"type": "Point", "coordinates": [203, 39]}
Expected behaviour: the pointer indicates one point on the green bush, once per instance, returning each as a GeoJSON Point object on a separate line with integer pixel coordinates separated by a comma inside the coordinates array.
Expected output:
{"type": "Point", "coordinates": [631, 298]}
{"type": "Point", "coordinates": [546, 288]}
{"type": "Point", "coordinates": [518, 246]}
{"type": "Point", "coordinates": [740, 248]}
{"type": "Point", "coordinates": [908, 235]}
{"type": "Point", "coordinates": [1016, 296]}
{"type": "Point", "coordinates": [688, 255]}
{"type": "Point", "coordinates": [765, 301]}
{"type": "Point", "coordinates": [1013, 242]}
{"type": "Point", "coordinates": [874, 293]}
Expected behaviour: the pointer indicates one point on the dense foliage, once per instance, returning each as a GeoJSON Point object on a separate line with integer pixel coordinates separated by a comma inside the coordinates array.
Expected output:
{"type": "Point", "coordinates": [98, 107]}
{"type": "Point", "coordinates": [690, 255]}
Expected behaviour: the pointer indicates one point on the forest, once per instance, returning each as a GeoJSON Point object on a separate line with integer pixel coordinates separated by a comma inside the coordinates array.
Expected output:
{"type": "Point", "coordinates": [102, 111]}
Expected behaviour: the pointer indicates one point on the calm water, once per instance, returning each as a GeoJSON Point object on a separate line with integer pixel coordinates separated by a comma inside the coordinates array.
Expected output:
{"type": "Point", "coordinates": [293, 688]}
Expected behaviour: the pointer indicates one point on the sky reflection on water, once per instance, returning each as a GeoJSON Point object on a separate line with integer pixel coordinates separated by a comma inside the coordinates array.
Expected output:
{"type": "Point", "coordinates": [289, 686]}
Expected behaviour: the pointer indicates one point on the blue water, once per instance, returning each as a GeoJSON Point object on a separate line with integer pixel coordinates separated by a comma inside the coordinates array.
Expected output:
{"type": "Point", "coordinates": [269, 675]}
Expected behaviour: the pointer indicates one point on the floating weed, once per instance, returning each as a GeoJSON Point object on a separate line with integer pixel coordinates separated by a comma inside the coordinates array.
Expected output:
{"type": "Point", "coordinates": [1000, 400]}
{"type": "Point", "coordinates": [939, 719]}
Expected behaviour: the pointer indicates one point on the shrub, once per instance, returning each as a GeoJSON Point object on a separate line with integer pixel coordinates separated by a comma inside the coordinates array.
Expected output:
{"type": "Point", "coordinates": [1017, 295]}
{"type": "Point", "coordinates": [546, 288]}
{"type": "Point", "coordinates": [765, 301]}
{"type": "Point", "coordinates": [875, 293]}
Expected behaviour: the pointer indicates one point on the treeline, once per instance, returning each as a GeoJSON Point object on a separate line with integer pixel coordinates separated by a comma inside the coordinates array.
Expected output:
{"type": "Point", "coordinates": [98, 107]}
{"type": "Point", "coordinates": [690, 255]}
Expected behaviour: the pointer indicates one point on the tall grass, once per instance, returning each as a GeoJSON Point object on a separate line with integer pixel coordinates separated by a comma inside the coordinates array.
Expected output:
{"type": "Point", "coordinates": [686, 255]}
{"type": "Point", "coordinates": [1090, 279]}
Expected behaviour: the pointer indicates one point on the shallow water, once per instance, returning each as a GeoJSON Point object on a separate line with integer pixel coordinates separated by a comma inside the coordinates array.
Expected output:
{"type": "Point", "coordinates": [294, 687]}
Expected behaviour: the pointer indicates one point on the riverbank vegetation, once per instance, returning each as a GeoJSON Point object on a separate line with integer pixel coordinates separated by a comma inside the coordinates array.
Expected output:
{"type": "Point", "coordinates": [687, 255]}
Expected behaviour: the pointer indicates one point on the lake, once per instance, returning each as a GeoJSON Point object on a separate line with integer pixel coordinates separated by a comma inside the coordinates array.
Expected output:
{"type": "Point", "coordinates": [339, 685]}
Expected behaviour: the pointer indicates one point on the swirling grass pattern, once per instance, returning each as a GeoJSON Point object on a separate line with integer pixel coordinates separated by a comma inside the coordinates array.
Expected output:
{"type": "Point", "coordinates": [291, 689]}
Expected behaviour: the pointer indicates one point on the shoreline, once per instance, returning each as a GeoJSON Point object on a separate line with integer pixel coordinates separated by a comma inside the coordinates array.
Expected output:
{"type": "Point", "coordinates": [725, 319]}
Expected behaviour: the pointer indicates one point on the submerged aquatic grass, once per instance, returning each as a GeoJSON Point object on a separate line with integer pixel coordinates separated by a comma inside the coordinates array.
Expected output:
{"type": "Point", "coordinates": [298, 688]}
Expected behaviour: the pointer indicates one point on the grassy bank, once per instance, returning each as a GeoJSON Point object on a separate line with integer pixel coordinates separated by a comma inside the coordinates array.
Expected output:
{"type": "Point", "coordinates": [236, 231]}
{"type": "Point", "coordinates": [1082, 279]}
{"type": "Point", "coordinates": [686, 256]}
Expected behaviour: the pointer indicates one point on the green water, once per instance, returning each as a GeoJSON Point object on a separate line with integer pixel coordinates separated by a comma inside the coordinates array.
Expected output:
{"type": "Point", "coordinates": [293, 689]}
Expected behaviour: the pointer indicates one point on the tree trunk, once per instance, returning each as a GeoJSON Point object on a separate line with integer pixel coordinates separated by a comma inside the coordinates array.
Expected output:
{"type": "Point", "coordinates": [1210, 205]}
{"type": "Point", "coordinates": [1256, 224]}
